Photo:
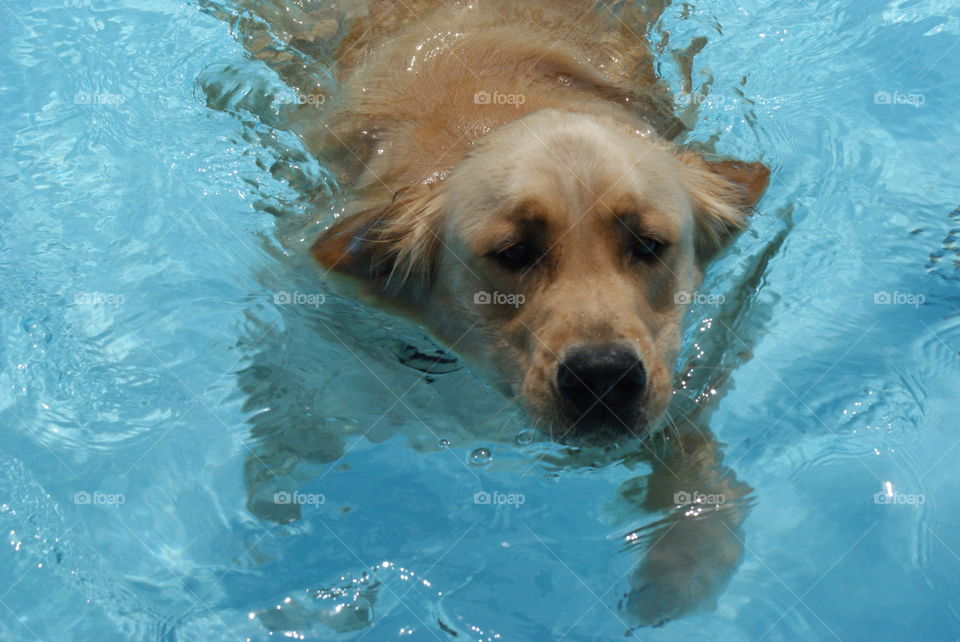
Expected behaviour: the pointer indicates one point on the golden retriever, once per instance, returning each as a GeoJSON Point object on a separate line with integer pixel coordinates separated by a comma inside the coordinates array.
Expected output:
{"type": "Point", "coordinates": [516, 188]}
{"type": "Point", "coordinates": [515, 192]}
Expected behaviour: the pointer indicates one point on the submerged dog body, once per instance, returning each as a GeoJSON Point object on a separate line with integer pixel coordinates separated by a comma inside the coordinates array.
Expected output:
{"type": "Point", "coordinates": [514, 186]}
{"type": "Point", "coordinates": [518, 151]}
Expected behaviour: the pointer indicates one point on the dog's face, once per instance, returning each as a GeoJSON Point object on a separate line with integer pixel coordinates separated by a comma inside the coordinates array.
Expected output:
{"type": "Point", "coordinates": [558, 256]}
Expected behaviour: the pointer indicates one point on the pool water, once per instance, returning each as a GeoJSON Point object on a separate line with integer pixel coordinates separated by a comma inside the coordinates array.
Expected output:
{"type": "Point", "coordinates": [171, 361]}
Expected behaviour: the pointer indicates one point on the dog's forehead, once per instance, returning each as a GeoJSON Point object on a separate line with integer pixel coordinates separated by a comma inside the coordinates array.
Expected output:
{"type": "Point", "coordinates": [570, 170]}
{"type": "Point", "coordinates": [582, 166]}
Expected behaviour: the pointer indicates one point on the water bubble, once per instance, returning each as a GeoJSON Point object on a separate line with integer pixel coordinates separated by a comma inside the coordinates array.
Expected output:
{"type": "Point", "coordinates": [443, 443]}
{"type": "Point", "coordinates": [524, 438]}
{"type": "Point", "coordinates": [480, 456]}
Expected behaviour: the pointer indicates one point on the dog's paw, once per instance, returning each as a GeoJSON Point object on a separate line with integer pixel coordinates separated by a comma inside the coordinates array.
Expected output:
{"type": "Point", "coordinates": [687, 565]}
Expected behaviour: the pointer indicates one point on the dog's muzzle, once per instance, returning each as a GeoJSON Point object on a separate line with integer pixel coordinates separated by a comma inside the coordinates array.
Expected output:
{"type": "Point", "coordinates": [601, 386]}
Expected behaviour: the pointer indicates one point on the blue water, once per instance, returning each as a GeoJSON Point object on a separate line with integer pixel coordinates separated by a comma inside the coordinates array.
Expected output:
{"type": "Point", "coordinates": [153, 216]}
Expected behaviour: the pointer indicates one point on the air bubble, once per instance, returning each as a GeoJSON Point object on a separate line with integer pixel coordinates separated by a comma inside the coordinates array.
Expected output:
{"type": "Point", "coordinates": [480, 456]}
{"type": "Point", "coordinates": [524, 438]}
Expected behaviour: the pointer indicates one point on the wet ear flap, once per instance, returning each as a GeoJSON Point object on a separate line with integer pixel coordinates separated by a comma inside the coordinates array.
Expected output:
{"type": "Point", "coordinates": [723, 193]}
{"type": "Point", "coordinates": [390, 244]}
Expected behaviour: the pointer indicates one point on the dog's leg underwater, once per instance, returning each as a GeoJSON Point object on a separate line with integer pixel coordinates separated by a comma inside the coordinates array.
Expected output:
{"type": "Point", "coordinates": [693, 552]}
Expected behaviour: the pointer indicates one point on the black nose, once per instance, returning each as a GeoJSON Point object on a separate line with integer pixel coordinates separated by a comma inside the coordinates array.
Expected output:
{"type": "Point", "coordinates": [604, 378]}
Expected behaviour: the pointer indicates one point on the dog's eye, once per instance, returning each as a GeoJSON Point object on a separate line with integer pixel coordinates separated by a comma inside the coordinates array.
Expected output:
{"type": "Point", "coordinates": [518, 255]}
{"type": "Point", "coordinates": [644, 248]}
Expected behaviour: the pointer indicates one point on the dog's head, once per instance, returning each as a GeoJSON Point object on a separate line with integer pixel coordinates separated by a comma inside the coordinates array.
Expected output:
{"type": "Point", "coordinates": [558, 256]}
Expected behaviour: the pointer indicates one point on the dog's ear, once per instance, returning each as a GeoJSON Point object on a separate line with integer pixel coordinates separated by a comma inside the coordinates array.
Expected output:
{"type": "Point", "coordinates": [724, 192]}
{"type": "Point", "coordinates": [390, 245]}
